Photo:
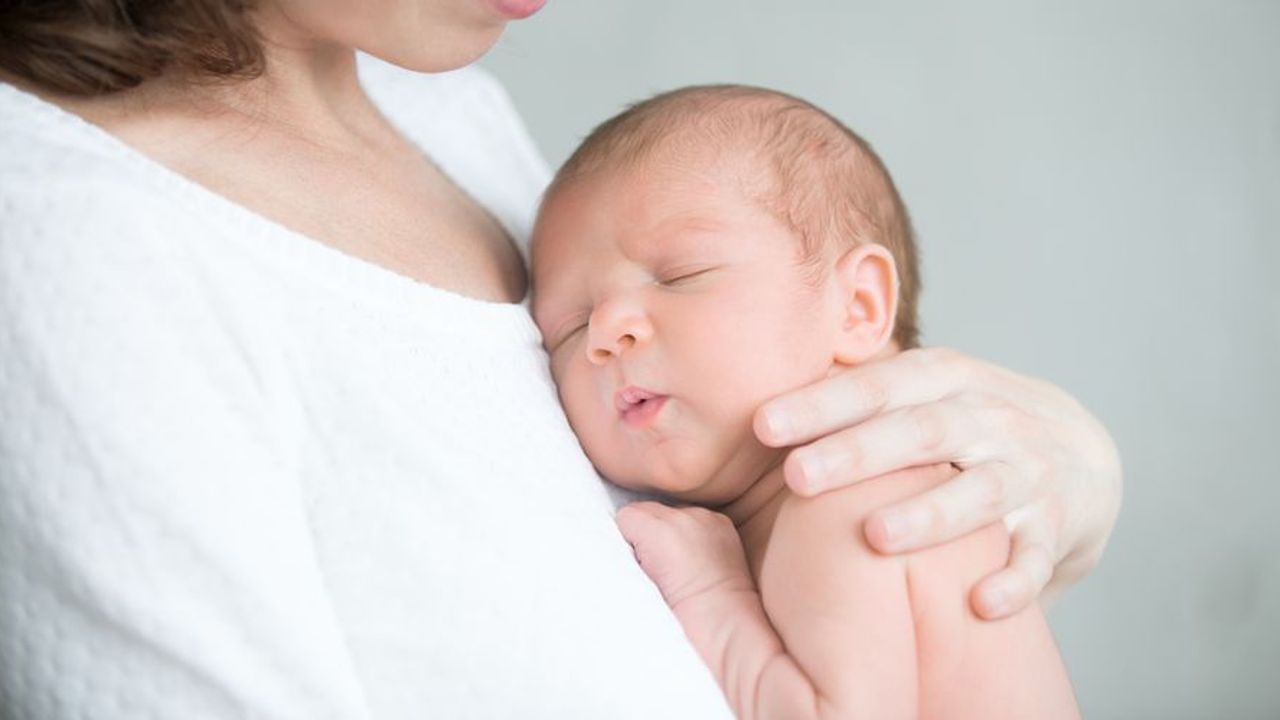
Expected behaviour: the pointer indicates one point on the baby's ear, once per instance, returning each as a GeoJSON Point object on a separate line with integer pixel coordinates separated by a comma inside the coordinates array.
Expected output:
{"type": "Point", "coordinates": [867, 280]}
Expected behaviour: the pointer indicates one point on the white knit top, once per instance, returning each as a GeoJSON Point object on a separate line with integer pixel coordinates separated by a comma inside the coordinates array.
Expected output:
{"type": "Point", "coordinates": [245, 475]}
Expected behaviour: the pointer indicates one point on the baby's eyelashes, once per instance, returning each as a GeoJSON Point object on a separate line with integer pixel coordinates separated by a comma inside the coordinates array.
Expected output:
{"type": "Point", "coordinates": [682, 275]}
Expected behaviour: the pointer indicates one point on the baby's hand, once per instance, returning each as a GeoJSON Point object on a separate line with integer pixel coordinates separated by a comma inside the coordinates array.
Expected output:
{"type": "Point", "coordinates": [687, 552]}
{"type": "Point", "coordinates": [696, 559]}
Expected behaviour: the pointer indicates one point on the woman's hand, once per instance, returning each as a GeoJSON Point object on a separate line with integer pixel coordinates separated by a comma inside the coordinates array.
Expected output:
{"type": "Point", "coordinates": [1027, 451]}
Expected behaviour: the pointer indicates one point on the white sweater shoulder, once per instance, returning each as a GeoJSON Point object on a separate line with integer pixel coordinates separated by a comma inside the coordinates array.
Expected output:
{"type": "Point", "coordinates": [155, 560]}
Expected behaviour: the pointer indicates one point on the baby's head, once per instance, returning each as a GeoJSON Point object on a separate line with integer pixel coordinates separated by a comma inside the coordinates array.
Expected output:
{"type": "Point", "coordinates": [702, 252]}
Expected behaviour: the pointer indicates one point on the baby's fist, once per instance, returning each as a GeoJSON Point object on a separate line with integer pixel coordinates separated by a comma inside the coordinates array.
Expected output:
{"type": "Point", "coordinates": [685, 551]}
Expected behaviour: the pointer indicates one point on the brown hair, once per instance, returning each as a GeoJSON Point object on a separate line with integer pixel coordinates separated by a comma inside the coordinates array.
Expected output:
{"type": "Point", "coordinates": [826, 182]}
{"type": "Point", "coordinates": [92, 47]}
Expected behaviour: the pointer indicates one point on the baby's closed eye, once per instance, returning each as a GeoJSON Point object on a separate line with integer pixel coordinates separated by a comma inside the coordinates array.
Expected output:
{"type": "Point", "coordinates": [683, 275]}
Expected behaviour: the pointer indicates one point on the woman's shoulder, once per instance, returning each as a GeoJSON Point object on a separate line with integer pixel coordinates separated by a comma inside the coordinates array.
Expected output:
{"type": "Point", "coordinates": [66, 210]}
{"type": "Point", "coordinates": [52, 159]}
{"type": "Point", "coordinates": [81, 218]}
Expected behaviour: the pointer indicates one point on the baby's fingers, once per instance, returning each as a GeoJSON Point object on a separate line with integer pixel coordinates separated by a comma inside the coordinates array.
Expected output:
{"type": "Point", "coordinates": [643, 524]}
{"type": "Point", "coordinates": [684, 551]}
{"type": "Point", "coordinates": [646, 526]}
{"type": "Point", "coordinates": [1012, 589]}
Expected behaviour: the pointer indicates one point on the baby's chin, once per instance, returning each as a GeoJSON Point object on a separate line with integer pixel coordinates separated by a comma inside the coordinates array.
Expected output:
{"type": "Point", "coordinates": [693, 482]}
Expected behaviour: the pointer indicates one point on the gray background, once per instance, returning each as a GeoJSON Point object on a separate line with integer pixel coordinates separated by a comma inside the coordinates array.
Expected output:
{"type": "Point", "coordinates": [1097, 192]}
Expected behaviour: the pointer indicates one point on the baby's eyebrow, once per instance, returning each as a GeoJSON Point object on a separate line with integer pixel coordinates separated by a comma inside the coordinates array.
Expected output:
{"type": "Point", "coordinates": [695, 230]}
{"type": "Point", "coordinates": [690, 225]}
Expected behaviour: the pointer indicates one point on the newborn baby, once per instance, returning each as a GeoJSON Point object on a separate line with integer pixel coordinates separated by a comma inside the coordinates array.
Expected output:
{"type": "Point", "coordinates": [699, 254]}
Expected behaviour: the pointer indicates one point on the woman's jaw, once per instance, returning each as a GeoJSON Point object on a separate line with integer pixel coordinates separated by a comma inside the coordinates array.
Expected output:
{"type": "Point", "coordinates": [420, 35]}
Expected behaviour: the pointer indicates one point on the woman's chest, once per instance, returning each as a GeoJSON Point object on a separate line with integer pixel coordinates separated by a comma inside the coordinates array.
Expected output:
{"type": "Point", "coordinates": [362, 188]}
{"type": "Point", "coordinates": [409, 218]}
{"type": "Point", "coordinates": [388, 205]}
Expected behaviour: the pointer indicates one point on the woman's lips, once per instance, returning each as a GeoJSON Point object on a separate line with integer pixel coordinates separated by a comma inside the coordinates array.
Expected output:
{"type": "Point", "coordinates": [638, 406]}
{"type": "Point", "coordinates": [518, 9]}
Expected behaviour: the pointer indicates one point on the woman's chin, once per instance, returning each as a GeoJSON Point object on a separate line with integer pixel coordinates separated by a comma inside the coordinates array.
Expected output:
{"type": "Point", "coordinates": [429, 55]}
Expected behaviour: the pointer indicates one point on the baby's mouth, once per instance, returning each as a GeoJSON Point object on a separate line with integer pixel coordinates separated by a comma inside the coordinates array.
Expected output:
{"type": "Point", "coordinates": [638, 406]}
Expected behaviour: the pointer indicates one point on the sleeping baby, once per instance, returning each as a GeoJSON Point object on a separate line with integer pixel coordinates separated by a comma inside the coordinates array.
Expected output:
{"type": "Point", "coordinates": [699, 254]}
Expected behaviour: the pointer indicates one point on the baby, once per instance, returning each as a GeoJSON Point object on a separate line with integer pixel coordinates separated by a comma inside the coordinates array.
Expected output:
{"type": "Point", "coordinates": [699, 254]}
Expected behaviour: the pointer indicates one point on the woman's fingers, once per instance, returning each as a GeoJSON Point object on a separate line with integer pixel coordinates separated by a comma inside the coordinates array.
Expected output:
{"type": "Point", "coordinates": [917, 435]}
{"type": "Point", "coordinates": [1031, 562]}
{"type": "Point", "coordinates": [973, 499]}
{"type": "Point", "coordinates": [913, 377]}
{"type": "Point", "coordinates": [1026, 448]}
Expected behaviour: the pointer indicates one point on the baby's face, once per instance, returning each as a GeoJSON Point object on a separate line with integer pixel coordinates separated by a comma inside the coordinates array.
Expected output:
{"type": "Point", "coordinates": [672, 307]}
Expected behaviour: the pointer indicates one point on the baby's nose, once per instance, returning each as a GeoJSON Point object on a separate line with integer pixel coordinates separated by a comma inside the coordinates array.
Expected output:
{"type": "Point", "coordinates": [601, 352]}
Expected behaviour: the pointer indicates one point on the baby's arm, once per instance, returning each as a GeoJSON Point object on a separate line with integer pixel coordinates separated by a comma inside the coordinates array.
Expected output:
{"type": "Point", "coordinates": [872, 631]}
{"type": "Point", "coordinates": [858, 634]}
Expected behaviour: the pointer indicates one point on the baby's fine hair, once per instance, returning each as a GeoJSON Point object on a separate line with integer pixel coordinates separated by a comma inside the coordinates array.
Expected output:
{"type": "Point", "coordinates": [824, 181]}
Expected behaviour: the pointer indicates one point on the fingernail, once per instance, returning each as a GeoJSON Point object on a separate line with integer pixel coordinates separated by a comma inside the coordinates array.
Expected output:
{"type": "Point", "coordinates": [901, 527]}
{"type": "Point", "coordinates": [778, 424]}
{"type": "Point", "coordinates": [813, 471]}
{"type": "Point", "coordinates": [896, 527]}
{"type": "Point", "coordinates": [997, 601]}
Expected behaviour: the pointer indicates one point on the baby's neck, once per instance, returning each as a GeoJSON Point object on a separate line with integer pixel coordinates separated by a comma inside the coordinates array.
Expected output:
{"type": "Point", "coordinates": [754, 511]}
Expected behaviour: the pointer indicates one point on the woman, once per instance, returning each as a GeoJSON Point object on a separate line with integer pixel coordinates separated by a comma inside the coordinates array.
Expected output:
{"type": "Point", "coordinates": [279, 438]}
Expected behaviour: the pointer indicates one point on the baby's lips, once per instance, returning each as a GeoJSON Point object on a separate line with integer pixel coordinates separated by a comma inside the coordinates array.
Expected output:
{"type": "Point", "coordinates": [632, 395]}
{"type": "Point", "coordinates": [644, 413]}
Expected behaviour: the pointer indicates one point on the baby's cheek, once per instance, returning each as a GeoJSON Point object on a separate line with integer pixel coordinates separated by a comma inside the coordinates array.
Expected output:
{"type": "Point", "coordinates": [576, 404]}
{"type": "Point", "coordinates": [588, 422]}
{"type": "Point", "coordinates": [741, 384]}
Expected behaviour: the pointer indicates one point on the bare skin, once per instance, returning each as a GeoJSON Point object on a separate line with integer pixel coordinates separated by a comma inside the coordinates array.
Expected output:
{"type": "Point", "coordinates": [305, 147]}
{"type": "Point", "coordinates": [799, 618]}
{"type": "Point", "coordinates": [795, 614]}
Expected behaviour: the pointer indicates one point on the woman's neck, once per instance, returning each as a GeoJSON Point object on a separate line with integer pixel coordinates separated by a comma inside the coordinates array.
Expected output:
{"type": "Point", "coordinates": [309, 86]}
{"type": "Point", "coordinates": [308, 89]}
